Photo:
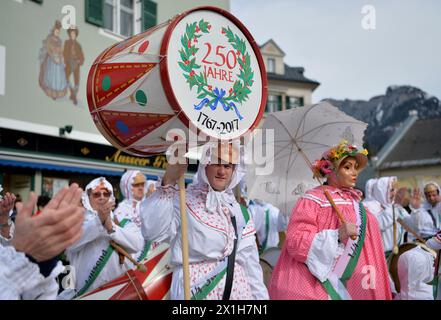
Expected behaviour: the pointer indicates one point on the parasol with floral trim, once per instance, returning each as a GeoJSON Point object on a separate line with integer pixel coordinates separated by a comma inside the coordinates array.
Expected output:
{"type": "Point", "coordinates": [301, 134]}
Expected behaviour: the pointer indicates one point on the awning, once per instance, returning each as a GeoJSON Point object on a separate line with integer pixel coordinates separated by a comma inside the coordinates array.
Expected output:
{"type": "Point", "coordinates": [47, 166]}
{"type": "Point", "coordinates": [49, 162]}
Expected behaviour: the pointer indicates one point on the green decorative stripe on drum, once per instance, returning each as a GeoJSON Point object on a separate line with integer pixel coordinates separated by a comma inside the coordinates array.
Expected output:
{"type": "Point", "coordinates": [141, 98]}
{"type": "Point", "coordinates": [106, 83]}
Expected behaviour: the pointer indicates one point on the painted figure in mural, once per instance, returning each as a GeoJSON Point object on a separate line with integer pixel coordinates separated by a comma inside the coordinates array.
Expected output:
{"type": "Point", "coordinates": [52, 77]}
{"type": "Point", "coordinates": [74, 58]}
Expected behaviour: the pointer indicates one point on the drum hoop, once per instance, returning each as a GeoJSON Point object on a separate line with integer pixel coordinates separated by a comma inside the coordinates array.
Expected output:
{"type": "Point", "coordinates": [266, 262]}
{"type": "Point", "coordinates": [264, 255]}
{"type": "Point", "coordinates": [165, 76]}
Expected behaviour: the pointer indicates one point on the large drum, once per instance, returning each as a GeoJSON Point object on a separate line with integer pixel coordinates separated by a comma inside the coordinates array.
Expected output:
{"type": "Point", "coordinates": [201, 69]}
{"type": "Point", "coordinates": [136, 285]}
{"type": "Point", "coordinates": [393, 260]}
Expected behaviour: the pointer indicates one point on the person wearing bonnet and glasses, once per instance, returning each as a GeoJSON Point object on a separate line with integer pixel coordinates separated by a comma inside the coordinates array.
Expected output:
{"type": "Point", "coordinates": [94, 258]}
{"type": "Point", "coordinates": [323, 258]}
{"type": "Point", "coordinates": [221, 236]}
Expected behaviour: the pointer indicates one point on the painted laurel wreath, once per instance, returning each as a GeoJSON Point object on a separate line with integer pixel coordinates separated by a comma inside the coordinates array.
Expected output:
{"type": "Point", "coordinates": [210, 96]}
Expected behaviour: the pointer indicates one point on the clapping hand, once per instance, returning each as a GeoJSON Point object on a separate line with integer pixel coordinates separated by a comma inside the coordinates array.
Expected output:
{"type": "Point", "coordinates": [50, 233]}
{"type": "Point", "coordinates": [415, 200]}
{"type": "Point", "coordinates": [6, 205]}
{"type": "Point", "coordinates": [104, 211]}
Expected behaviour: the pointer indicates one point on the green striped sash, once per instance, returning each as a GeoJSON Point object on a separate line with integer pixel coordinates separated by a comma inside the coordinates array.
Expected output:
{"type": "Point", "coordinates": [332, 291]}
{"type": "Point", "coordinates": [99, 266]}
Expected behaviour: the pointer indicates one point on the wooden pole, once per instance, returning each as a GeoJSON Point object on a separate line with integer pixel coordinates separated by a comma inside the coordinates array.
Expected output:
{"type": "Point", "coordinates": [395, 247]}
{"type": "Point", "coordinates": [410, 230]}
{"type": "Point", "coordinates": [121, 250]}
{"type": "Point", "coordinates": [185, 260]}
{"type": "Point", "coordinates": [339, 214]}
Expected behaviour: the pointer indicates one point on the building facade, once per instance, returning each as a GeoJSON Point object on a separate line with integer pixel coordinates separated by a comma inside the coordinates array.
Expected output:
{"type": "Point", "coordinates": [413, 153]}
{"type": "Point", "coordinates": [287, 86]}
{"type": "Point", "coordinates": [47, 136]}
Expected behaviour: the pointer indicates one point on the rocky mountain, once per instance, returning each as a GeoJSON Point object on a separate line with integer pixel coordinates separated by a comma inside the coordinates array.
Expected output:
{"type": "Point", "coordinates": [385, 113]}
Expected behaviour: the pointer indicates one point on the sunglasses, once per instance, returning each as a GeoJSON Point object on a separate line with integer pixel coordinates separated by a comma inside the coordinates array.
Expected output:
{"type": "Point", "coordinates": [97, 195]}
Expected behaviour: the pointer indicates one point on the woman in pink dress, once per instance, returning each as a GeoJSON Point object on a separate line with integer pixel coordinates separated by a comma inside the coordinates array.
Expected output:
{"type": "Point", "coordinates": [323, 258]}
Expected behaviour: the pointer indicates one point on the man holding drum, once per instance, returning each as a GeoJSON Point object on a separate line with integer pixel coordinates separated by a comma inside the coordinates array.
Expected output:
{"type": "Point", "coordinates": [221, 235]}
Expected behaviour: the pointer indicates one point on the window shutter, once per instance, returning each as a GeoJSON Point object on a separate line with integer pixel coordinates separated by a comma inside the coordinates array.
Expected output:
{"type": "Point", "coordinates": [267, 107]}
{"type": "Point", "coordinates": [149, 14]}
{"type": "Point", "coordinates": [279, 103]}
{"type": "Point", "coordinates": [94, 12]}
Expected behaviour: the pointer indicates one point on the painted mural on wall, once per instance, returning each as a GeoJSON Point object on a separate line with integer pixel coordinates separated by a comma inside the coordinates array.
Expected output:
{"type": "Point", "coordinates": [60, 64]}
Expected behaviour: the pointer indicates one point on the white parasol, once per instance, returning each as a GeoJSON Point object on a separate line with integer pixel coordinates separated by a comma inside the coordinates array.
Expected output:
{"type": "Point", "coordinates": [301, 135]}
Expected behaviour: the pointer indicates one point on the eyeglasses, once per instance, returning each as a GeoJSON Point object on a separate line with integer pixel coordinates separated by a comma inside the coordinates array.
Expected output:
{"type": "Point", "coordinates": [97, 195]}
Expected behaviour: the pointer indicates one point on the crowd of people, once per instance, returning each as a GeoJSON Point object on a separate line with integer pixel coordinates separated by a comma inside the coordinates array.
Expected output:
{"type": "Point", "coordinates": [338, 243]}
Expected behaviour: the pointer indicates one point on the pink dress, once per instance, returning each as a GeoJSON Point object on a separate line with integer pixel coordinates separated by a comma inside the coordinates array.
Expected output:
{"type": "Point", "coordinates": [292, 279]}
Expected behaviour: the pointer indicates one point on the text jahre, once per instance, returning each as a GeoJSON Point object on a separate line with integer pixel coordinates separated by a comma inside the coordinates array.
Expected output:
{"type": "Point", "coordinates": [218, 74]}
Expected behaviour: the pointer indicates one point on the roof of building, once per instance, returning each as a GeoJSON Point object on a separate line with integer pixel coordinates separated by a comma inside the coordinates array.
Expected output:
{"type": "Point", "coordinates": [417, 145]}
{"type": "Point", "coordinates": [274, 43]}
{"type": "Point", "coordinates": [292, 74]}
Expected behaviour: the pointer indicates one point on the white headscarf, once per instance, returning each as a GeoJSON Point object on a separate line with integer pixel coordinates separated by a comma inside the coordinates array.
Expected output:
{"type": "Point", "coordinates": [127, 182]}
{"type": "Point", "coordinates": [369, 189]}
{"type": "Point", "coordinates": [92, 185]}
{"type": "Point", "coordinates": [381, 191]}
{"type": "Point", "coordinates": [215, 199]}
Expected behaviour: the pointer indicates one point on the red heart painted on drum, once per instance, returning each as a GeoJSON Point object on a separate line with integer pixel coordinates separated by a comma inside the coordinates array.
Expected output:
{"type": "Point", "coordinates": [143, 46]}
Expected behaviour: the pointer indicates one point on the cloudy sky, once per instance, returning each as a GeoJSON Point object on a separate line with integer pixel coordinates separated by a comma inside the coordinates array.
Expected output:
{"type": "Point", "coordinates": [327, 38]}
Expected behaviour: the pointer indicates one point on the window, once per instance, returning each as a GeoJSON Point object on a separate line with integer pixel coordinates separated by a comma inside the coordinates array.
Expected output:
{"type": "Point", "coordinates": [292, 102]}
{"type": "Point", "coordinates": [122, 17]}
{"type": "Point", "coordinates": [271, 65]}
{"type": "Point", "coordinates": [273, 103]}
{"type": "Point", "coordinates": [119, 17]}
{"type": "Point", "coordinates": [149, 9]}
